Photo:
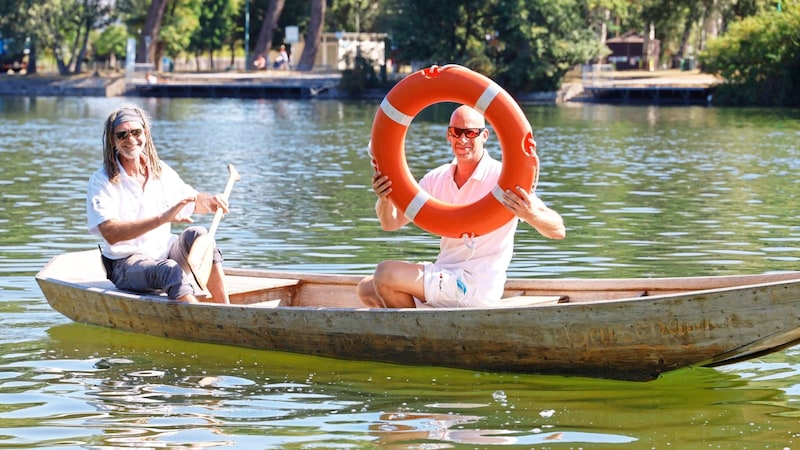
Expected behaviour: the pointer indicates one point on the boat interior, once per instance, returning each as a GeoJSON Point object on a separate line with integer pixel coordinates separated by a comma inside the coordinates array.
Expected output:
{"type": "Point", "coordinates": [261, 288]}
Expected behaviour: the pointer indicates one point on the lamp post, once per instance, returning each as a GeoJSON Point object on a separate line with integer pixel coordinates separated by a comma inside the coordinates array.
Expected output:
{"type": "Point", "coordinates": [246, 35]}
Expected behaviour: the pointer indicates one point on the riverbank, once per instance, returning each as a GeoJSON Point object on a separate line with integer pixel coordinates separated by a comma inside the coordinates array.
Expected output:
{"type": "Point", "coordinates": [68, 86]}
{"type": "Point", "coordinates": [669, 86]}
{"type": "Point", "coordinates": [116, 84]}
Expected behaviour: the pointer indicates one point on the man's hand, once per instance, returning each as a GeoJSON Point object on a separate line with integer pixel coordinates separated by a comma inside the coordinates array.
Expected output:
{"type": "Point", "coordinates": [520, 202]}
{"type": "Point", "coordinates": [208, 203]}
{"type": "Point", "coordinates": [532, 210]}
{"type": "Point", "coordinates": [176, 213]}
{"type": "Point", "coordinates": [382, 185]}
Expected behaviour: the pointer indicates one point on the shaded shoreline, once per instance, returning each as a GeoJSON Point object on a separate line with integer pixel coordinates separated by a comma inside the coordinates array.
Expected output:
{"type": "Point", "coordinates": [653, 87]}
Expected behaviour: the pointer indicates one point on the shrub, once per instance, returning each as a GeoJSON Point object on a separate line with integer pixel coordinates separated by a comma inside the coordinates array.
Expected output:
{"type": "Point", "coordinates": [759, 57]}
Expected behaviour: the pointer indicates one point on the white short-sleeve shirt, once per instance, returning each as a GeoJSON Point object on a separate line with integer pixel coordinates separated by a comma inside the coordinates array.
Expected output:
{"type": "Point", "coordinates": [125, 200]}
{"type": "Point", "coordinates": [488, 257]}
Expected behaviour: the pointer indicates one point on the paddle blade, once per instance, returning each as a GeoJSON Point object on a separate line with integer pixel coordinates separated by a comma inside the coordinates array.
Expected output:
{"type": "Point", "coordinates": [200, 259]}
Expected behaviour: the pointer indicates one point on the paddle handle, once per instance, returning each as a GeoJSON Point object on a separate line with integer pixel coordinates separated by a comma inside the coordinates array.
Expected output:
{"type": "Point", "coordinates": [233, 176]}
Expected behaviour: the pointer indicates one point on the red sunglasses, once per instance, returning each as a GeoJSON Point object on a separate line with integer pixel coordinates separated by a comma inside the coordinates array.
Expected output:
{"type": "Point", "coordinates": [470, 133]}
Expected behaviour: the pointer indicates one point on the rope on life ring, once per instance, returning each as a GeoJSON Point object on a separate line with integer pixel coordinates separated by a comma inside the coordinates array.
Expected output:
{"type": "Point", "coordinates": [453, 83]}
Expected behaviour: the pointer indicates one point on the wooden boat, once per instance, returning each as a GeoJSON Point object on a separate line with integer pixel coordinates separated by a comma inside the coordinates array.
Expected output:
{"type": "Point", "coordinates": [630, 329]}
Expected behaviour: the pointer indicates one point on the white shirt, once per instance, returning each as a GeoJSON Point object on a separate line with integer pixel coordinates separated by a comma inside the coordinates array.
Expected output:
{"type": "Point", "coordinates": [126, 201]}
{"type": "Point", "coordinates": [487, 257]}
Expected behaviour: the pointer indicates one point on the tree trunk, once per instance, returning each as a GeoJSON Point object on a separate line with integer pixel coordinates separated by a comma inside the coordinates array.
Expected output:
{"type": "Point", "coordinates": [82, 53]}
{"type": "Point", "coordinates": [73, 51]}
{"type": "Point", "coordinates": [694, 14]}
{"type": "Point", "coordinates": [313, 36]}
{"type": "Point", "coordinates": [31, 67]}
{"type": "Point", "coordinates": [268, 27]}
{"type": "Point", "coordinates": [87, 28]}
{"type": "Point", "coordinates": [158, 54]}
{"type": "Point", "coordinates": [63, 69]}
{"type": "Point", "coordinates": [152, 27]}
{"type": "Point", "coordinates": [712, 23]}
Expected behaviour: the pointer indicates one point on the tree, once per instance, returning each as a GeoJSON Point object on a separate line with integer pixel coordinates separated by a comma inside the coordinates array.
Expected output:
{"type": "Point", "coordinates": [150, 32]}
{"type": "Point", "coordinates": [180, 21]}
{"type": "Point", "coordinates": [216, 25]}
{"type": "Point", "coordinates": [525, 45]}
{"type": "Point", "coordinates": [759, 57]}
{"type": "Point", "coordinates": [268, 27]}
{"type": "Point", "coordinates": [354, 15]}
{"type": "Point", "coordinates": [313, 36]}
{"type": "Point", "coordinates": [541, 41]}
{"type": "Point", "coordinates": [177, 24]}
{"type": "Point", "coordinates": [64, 26]}
{"type": "Point", "coordinates": [431, 31]}
{"type": "Point", "coordinates": [94, 14]}
{"type": "Point", "coordinates": [111, 41]}
{"type": "Point", "coordinates": [15, 33]}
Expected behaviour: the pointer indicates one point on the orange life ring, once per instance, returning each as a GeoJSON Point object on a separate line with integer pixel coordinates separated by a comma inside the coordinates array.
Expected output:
{"type": "Point", "coordinates": [453, 83]}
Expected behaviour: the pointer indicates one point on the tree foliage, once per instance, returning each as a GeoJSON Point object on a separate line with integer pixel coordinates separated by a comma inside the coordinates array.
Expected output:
{"type": "Point", "coordinates": [214, 29]}
{"type": "Point", "coordinates": [525, 45]}
{"type": "Point", "coordinates": [759, 57]}
{"type": "Point", "coordinates": [64, 27]}
{"type": "Point", "coordinates": [112, 40]}
{"type": "Point", "coordinates": [545, 39]}
{"type": "Point", "coordinates": [181, 19]}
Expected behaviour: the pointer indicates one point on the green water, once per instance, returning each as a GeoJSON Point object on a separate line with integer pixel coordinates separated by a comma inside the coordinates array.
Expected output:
{"type": "Point", "coordinates": [644, 191]}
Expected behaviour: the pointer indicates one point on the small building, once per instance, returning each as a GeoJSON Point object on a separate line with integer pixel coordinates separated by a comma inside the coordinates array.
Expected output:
{"type": "Point", "coordinates": [632, 51]}
{"type": "Point", "coordinates": [339, 50]}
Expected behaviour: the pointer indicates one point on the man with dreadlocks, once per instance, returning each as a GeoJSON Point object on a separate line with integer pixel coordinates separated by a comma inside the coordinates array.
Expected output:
{"type": "Point", "coordinates": [132, 201]}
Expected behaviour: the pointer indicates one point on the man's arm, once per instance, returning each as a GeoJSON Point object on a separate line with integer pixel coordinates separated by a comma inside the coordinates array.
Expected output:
{"type": "Point", "coordinates": [390, 217]}
{"type": "Point", "coordinates": [114, 231]}
{"type": "Point", "coordinates": [535, 213]}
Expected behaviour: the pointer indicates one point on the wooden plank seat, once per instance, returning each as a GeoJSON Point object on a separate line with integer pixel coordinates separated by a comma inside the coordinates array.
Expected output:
{"type": "Point", "coordinates": [241, 289]}
{"type": "Point", "coordinates": [244, 290]}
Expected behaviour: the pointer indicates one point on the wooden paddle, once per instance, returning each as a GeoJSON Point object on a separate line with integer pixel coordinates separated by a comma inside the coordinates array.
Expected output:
{"type": "Point", "coordinates": [201, 255]}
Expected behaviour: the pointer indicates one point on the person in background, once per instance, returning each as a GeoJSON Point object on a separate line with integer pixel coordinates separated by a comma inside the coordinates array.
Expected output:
{"type": "Point", "coordinates": [260, 62]}
{"type": "Point", "coordinates": [131, 203]}
{"type": "Point", "coordinates": [463, 275]}
{"type": "Point", "coordinates": [282, 60]}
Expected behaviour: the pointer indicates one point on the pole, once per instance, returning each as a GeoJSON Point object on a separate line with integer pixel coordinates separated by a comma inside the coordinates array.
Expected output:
{"type": "Point", "coordinates": [246, 35]}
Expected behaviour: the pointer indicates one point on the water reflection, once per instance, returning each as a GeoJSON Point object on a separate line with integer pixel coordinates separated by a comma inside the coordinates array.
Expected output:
{"type": "Point", "coordinates": [118, 389]}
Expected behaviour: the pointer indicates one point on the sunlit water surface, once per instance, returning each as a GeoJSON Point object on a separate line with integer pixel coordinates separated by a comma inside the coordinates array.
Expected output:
{"type": "Point", "coordinates": [644, 191]}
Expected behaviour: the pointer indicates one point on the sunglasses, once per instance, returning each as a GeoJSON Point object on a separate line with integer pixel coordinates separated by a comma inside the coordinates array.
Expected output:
{"type": "Point", "coordinates": [470, 133]}
{"type": "Point", "coordinates": [122, 135]}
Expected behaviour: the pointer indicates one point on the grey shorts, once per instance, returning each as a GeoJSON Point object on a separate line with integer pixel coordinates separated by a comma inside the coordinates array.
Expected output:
{"type": "Point", "coordinates": [172, 275]}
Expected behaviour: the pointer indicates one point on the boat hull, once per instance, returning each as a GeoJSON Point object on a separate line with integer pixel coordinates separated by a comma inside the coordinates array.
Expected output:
{"type": "Point", "coordinates": [634, 338]}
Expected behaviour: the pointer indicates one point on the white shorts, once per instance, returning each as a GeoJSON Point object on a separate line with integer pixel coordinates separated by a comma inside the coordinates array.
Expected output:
{"type": "Point", "coordinates": [447, 288]}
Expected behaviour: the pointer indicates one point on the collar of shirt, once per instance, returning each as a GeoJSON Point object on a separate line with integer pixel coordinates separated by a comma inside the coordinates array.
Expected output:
{"type": "Point", "coordinates": [481, 171]}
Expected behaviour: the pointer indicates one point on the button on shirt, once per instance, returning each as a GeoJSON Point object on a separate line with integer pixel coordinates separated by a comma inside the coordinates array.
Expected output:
{"type": "Point", "coordinates": [492, 252]}
{"type": "Point", "coordinates": [126, 201]}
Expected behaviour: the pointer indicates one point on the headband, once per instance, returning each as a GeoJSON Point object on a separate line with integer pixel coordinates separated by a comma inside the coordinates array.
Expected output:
{"type": "Point", "coordinates": [127, 115]}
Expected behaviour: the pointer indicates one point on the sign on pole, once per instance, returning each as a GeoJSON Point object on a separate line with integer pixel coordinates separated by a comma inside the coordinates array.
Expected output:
{"type": "Point", "coordinates": [292, 34]}
{"type": "Point", "coordinates": [130, 57]}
